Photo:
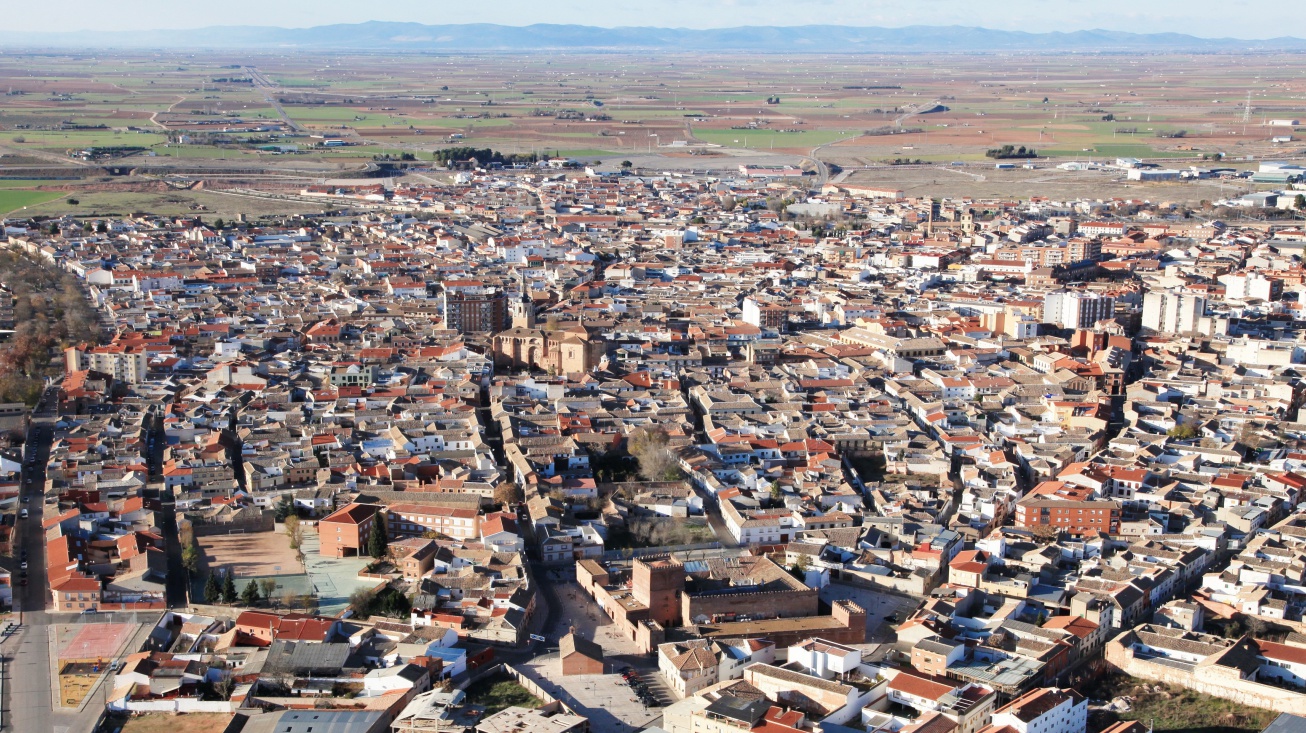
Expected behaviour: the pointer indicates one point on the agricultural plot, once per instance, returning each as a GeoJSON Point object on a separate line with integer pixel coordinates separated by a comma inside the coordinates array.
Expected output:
{"type": "Point", "coordinates": [270, 112]}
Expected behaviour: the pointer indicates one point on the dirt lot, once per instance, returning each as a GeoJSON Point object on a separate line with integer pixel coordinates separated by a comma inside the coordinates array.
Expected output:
{"type": "Point", "coordinates": [251, 555]}
{"type": "Point", "coordinates": [168, 723]}
{"type": "Point", "coordinates": [73, 688]}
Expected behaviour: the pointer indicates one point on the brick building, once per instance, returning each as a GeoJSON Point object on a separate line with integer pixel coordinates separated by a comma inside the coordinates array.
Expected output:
{"type": "Point", "coordinates": [1069, 508]}
{"type": "Point", "coordinates": [344, 533]}
{"type": "Point", "coordinates": [580, 656]}
{"type": "Point", "coordinates": [846, 624]}
{"type": "Point", "coordinates": [657, 584]}
{"type": "Point", "coordinates": [415, 520]}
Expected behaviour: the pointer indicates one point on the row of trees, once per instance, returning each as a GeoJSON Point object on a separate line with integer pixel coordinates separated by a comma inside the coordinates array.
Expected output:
{"type": "Point", "coordinates": [224, 591]}
{"type": "Point", "coordinates": [50, 311]}
{"type": "Point", "coordinates": [1007, 152]}
{"type": "Point", "coordinates": [484, 156]}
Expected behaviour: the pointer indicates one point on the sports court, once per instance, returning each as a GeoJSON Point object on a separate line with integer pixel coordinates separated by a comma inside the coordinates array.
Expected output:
{"type": "Point", "coordinates": [250, 555]}
{"type": "Point", "coordinates": [93, 642]}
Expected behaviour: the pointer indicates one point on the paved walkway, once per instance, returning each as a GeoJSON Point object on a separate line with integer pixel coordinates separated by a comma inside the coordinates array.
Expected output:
{"type": "Point", "coordinates": [334, 579]}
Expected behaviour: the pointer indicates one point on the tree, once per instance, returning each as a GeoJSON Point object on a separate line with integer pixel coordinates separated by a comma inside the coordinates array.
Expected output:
{"type": "Point", "coordinates": [212, 591]}
{"type": "Point", "coordinates": [223, 688]}
{"type": "Point", "coordinates": [651, 447]}
{"type": "Point", "coordinates": [190, 558]}
{"type": "Point", "coordinates": [1184, 432]}
{"type": "Point", "coordinates": [361, 602]}
{"type": "Point", "coordinates": [284, 507]}
{"type": "Point", "coordinates": [377, 542]}
{"type": "Point", "coordinates": [626, 165]}
{"type": "Point", "coordinates": [1299, 203]}
{"type": "Point", "coordinates": [228, 587]}
{"type": "Point", "coordinates": [1045, 533]}
{"type": "Point", "coordinates": [249, 596]}
{"type": "Point", "coordinates": [294, 531]}
{"type": "Point", "coordinates": [268, 585]}
{"type": "Point", "coordinates": [508, 494]}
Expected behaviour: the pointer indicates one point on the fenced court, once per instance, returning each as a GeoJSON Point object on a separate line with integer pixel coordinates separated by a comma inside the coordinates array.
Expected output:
{"type": "Point", "coordinates": [93, 643]}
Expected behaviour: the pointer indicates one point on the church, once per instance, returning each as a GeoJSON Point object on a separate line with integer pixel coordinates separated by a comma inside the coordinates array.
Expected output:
{"type": "Point", "coordinates": [569, 349]}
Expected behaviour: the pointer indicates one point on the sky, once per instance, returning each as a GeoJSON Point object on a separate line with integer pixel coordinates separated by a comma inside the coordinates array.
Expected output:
{"type": "Point", "coordinates": [1208, 18]}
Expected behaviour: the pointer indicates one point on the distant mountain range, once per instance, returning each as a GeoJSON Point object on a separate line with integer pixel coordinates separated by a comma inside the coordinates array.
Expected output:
{"type": "Point", "coordinates": [384, 36]}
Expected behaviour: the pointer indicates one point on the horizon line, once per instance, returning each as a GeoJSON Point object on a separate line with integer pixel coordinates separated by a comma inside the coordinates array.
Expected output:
{"type": "Point", "coordinates": [12, 36]}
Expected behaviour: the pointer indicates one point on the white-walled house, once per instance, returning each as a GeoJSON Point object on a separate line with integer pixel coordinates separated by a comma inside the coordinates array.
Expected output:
{"type": "Point", "coordinates": [1043, 710]}
{"type": "Point", "coordinates": [824, 659]}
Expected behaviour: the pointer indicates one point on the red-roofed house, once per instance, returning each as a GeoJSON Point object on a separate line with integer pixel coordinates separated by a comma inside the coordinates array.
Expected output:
{"type": "Point", "coordinates": [76, 593]}
{"type": "Point", "coordinates": [287, 627]}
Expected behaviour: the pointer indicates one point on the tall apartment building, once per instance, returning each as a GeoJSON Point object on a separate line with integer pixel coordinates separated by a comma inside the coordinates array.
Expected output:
{"type": "Point", "coordinates": [764, 315]}
{"type": "Point", "coordinates": [1168, 312]}
{"type": "Point", "coordinates": [124, 363]}
{"type": "Point", "coordinates": [468, 311]}
{"type": "Point", "coordinates": [1077, 310]}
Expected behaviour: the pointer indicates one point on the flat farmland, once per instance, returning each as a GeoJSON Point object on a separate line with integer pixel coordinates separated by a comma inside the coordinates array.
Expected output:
{"type": "Point", "coordinates": [232, 110]}
{"type": "Point", "coordinates": [18, 199]}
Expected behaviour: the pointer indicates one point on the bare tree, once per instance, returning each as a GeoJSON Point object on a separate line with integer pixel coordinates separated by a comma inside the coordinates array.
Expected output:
{"type": "Point", "coordinates": [294, 532]}
{"type": "Point", "coordinates": [651, 447]}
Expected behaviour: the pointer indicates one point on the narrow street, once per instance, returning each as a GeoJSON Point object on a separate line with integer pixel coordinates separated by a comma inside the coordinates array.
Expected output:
{"type": "Point", "coordinates": [27, 673]}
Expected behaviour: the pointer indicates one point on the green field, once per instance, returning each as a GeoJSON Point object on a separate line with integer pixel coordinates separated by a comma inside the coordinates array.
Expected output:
{"type": "Point", "coordinates": [173, 203]}
{"type": "Point", "coordinates": [497, 694]}
{"type": "Point", "coordinates": [14, 200]}
{"type": "Point", "coordinates": [33, 182]}
{"type": "Point", "coordinates": [761, 139]}
{"type": "Point", "coordinates": [1117, 150]}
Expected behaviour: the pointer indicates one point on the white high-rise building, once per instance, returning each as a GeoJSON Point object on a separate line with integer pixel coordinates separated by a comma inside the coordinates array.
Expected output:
{"type": "Point", "coordinates": [1167, 312]}
{"type": "Point", "coordinates": [1077, 310]}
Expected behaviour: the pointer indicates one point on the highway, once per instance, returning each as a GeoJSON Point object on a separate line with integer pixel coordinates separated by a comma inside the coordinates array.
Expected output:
{"type": "Point", "coordinates": [269, 89]}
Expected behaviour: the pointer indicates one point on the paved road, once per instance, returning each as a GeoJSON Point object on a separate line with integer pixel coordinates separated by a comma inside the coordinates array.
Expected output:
{"type": "Point", "coordinates": [27, 701]}
{"type": "Point", "coordinates": [269, 89]}
{"type": "Point", "coordinates": [165, 518]}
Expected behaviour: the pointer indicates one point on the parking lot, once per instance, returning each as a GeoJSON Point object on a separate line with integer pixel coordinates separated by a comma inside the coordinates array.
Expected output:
{"type": "Point", "coordinates": [606, 699]}
{"type": "Point", "coordinates": [656, 685]}
{"type": "Point", "coordinates": [879, 607]}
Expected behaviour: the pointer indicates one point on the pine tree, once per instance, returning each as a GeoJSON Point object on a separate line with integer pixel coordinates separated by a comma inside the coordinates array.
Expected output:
{"type": "Point", "coordinates": [377, 542]}
{"type": "Point", "coordinates": [228, 588]}
{"type": "Point", "coordinates": [212, 591]}
{"type": "Point", "coordinates": [249, 596]}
